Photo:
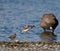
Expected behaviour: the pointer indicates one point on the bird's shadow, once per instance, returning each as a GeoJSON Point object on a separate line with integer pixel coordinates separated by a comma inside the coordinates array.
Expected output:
{"type": "Point", "coordinates": [48, 36]}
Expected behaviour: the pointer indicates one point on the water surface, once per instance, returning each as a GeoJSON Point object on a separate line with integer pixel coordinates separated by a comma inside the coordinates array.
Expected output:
{"type": "Point", "coordinates": [14, 14]}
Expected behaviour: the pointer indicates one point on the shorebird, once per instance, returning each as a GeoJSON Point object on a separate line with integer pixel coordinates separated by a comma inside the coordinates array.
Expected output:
{"type": "Point", "coordinates": [27, 28]}
{"type": "Point", "coordinates": [12, 37]}
{"type": "Point", "coordinates": [49, 22]}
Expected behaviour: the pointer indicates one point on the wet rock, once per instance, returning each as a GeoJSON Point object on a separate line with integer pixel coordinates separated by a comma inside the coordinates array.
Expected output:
{"type": "Point", "coordinates": [49, 22]}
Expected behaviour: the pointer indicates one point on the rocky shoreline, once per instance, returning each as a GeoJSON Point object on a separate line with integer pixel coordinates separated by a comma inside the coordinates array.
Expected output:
{"type": "Point", "coordinates": [29, 46]}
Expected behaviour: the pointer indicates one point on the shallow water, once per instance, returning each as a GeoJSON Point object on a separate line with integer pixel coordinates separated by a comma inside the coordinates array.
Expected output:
{"type": "Point", "coordinates": [14, 14]}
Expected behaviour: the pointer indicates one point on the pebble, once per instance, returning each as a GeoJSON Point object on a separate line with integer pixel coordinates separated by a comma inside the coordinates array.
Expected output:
{"type": "Point", "coordinates": [31, 47]}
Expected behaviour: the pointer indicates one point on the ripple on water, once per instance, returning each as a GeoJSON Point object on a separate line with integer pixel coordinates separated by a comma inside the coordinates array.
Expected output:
{"type": "Point", "coordinates": [14, 14]}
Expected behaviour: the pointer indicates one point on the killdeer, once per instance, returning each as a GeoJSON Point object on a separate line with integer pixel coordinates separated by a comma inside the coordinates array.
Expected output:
{"type": "Point", "coordinates": [27, 28]}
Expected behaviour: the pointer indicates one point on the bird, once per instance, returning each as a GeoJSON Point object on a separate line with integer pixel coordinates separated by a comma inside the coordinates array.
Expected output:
{"type": "Point", "coordinates": [27, 28]}
{"type": "Point", "coordinates": [13, 36]}
{"type": "Point", "coordinates": [49, 22]}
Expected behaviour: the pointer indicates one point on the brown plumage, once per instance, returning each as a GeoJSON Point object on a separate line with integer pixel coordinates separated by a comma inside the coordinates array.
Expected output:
{"type": "Point", "coordinates": [49, 22]}
{"type": "Point", "coordinates": [12, 36]}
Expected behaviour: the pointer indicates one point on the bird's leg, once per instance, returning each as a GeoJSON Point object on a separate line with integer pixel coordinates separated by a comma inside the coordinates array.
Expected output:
{"type": "Point", "coordinates": [44, 29]}
{"type": "Point", "coordinates": [52, 30]}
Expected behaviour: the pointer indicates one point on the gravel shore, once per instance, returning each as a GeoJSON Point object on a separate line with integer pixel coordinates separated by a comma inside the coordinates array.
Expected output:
{"type": "Point", "coordinates": [29, 46]}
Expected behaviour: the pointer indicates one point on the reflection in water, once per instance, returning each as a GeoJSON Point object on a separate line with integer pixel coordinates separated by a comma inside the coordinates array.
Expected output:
{"type": "Point", "coordinates": [48, 37]}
